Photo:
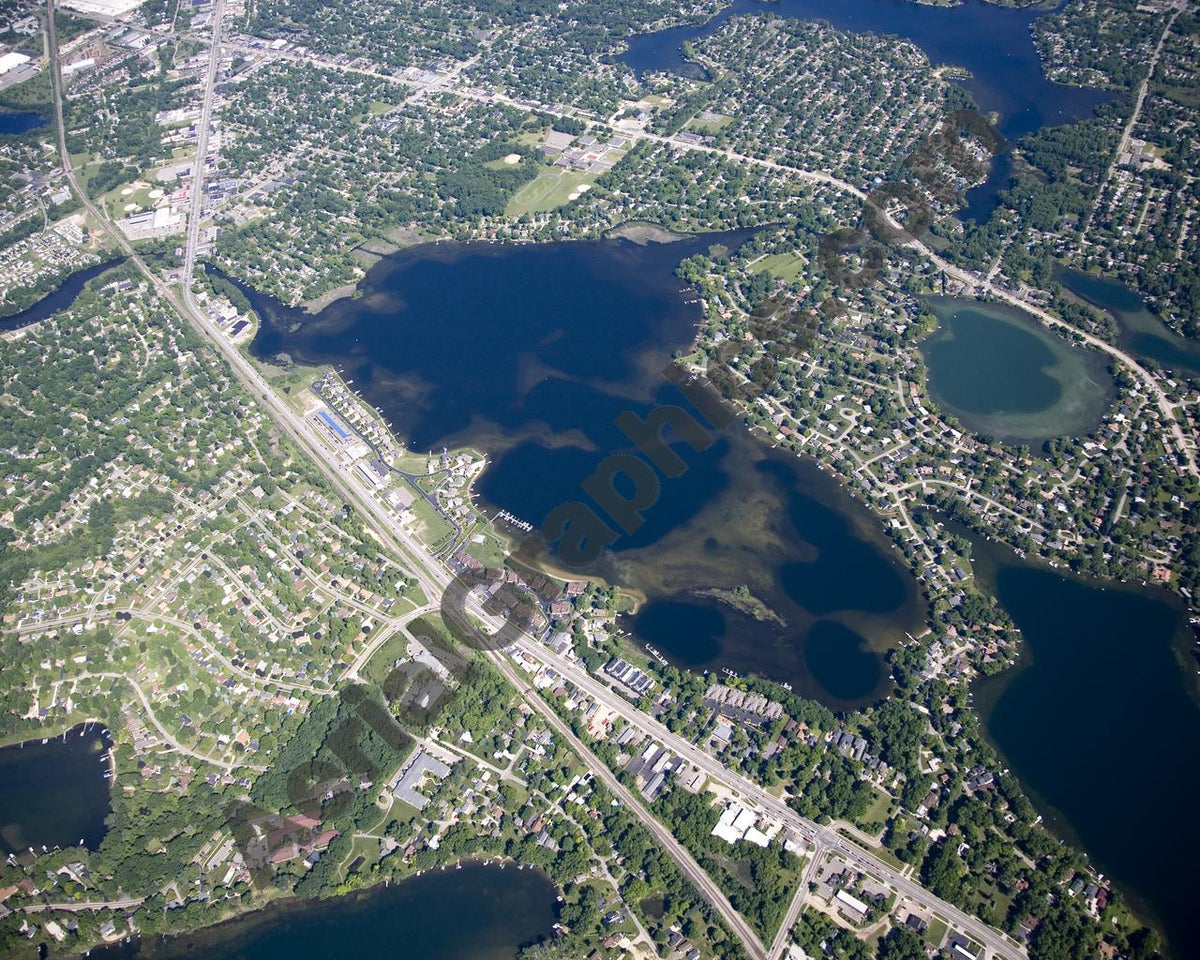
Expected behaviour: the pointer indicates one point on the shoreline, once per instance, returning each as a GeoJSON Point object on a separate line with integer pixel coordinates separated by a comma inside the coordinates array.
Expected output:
{"type": "Point", "coordinates": [225, 933]}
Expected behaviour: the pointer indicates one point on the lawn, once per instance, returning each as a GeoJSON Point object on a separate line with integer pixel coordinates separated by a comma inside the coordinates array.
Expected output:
{"type": "Point", "coordinates": [380, 665]}
{"type": "Point", "coordinates": [883, 853]}
{"type": "Point", "coordinates": [878, 811]}
{"type": "Point", "coordinates": [138, 197]}
{"type": "Point", "coordinates": [491, 552]}
{"type": "Point", "coordinates": [365, 847]}
{"type": "Point", "coordinates": [413, 462]}
{"type": "Point", "coordinates": [937, 931]}
{"type": "Point", "coordinates": [717, 122]}
{"type": "Point", "coordinates": [433, 529]}
{"type": "Point", "coordinates": [782, 266]}
{"type": "Point", "coordinates": [550, 189]}
{"type": "Point", "coordinates": [292, 381]}
{"type": "Point", "coordinates": [432, 627]}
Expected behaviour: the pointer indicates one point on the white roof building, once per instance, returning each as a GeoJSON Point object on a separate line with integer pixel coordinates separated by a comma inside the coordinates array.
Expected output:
{"type": "Point", "coordinates": [69, 68]}
{"type": "Point", "coordinates": [725, 828]}
{"type": "Point", "coordinates": [853, 903]}
{"type": "Point", "coordinates": [11, 60]}
{"type": "Point", "coordinates": [103, 8]}
{"type": "Point", "coordinates": [737, 823]}
{"type": "Point", "coordinates": [757, 837]}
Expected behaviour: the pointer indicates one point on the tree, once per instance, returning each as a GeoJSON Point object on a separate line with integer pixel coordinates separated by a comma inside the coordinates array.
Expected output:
{"type": "Point", "coordinates": [901, 943]}
{"type": "Point", "coordinates": [1062, 935]}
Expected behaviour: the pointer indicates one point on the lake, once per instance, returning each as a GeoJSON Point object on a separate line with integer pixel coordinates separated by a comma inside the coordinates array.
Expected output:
{"type": "Point", "coordinates": [528, 353]}
{"type": "Point", "coordinates": [824, 593]}
{"type": "Point", "coordinates": [12, 124]}
{"type": "Point", "coordinates": [55, 793]}
{"type": "Point", "coordinates": [993, 42]}
{"type": "Point", "coordinates": [1097, 722]}
{"type": "Point", "coordinates": [1142, 332]}
{"type": "Point", "coordinates": [1004, 375]}
{"type": "Point", "coordinates": [61, 298]}
{"type": "Point", "coordinates": [480, 912]}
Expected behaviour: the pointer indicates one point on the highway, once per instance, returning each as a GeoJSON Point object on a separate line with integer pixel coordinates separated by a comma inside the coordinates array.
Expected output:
{"type": "Point", "coordinates": [433, 577]}
{"type": "Point", "coordinates": [683, 858]}
{"type": "Point", "coordinates": [202, 131]}
{"type": "Point", "coordinates": [822, 837]}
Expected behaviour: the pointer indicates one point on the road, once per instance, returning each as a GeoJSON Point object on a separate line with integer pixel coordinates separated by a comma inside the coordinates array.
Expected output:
{"type": "Point", "coordinates": [150, 616]}
{"type": "Point", "coordinates": [686, 862]}
{"type": "Point", "coordinates": [163, 732]}
{"type": "Point", "coordinates": [1167, 408]}
{"type": "Point", "coordinates": [823, 837]}
{"type": "Point", "coordinates": [1133, 119]}
{"type": "Point", "coordinates": [780, 944]}
{"type": "Point", "coordinates": [76, 907]}
{"type": "Point", "coordinates": [202, 130]}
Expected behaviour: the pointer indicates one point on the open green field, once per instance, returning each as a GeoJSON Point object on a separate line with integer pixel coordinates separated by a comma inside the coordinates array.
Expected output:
{"type": "Point", "coordinates": [140, 198]}
{"type": "Point", "coordinates": [703, 125]}
{"type": "Point", "coordinates": [878, 811]}
{"type": "Point", "coordinates": [782, 266]}
{"type": "Point", "coordinates": [434, 530]}
{"type": "Point", "coordinates": [550, 189]}
{"type": "Point", "coordinates": [937, 931]}
{"type": "Point", "coordinates": [379, 666]}
{"type": "Point", "coordinates": [431, 627]}
{"type": "Point", "coordinates": [491, 552]}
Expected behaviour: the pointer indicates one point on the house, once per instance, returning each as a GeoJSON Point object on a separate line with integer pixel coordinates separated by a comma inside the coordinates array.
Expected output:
{"type": "Point", "coordinates": [913, 922]}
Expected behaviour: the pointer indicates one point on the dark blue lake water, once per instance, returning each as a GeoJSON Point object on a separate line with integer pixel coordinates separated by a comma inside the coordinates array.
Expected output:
{"type": "Point", "coordinates": [17, 123]}
{"type": "Point", "coordinates": [530, 352]}
{"type": "Point", "coordinates": [1098, 723]}
{"type": "Point", "coordinates": [59, 299]}
{"type": "Point", "coordinates": [752, 560]}
{"type": "Point", "coordinates": [481, 912]}
{"type": "Point", "coordinates": [1143, 332]}
{"type": "Point", "coordinates": [994, 43]}
{"type": "Point", "coordinates": [55, 794]}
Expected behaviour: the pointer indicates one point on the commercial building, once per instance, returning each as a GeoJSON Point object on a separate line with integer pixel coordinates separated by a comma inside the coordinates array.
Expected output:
{"type": "Point", "coordinates": [11, 60]}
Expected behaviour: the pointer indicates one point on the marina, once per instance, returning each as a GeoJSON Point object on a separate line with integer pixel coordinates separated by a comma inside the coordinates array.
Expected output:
{"type": "Point", "coordinates": [54, 791]}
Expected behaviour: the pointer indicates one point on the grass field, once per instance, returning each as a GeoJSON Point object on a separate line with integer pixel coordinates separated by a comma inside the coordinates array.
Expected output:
{"type": "Point", "coordinates": [878, 811]}
{"type": "Point", "coordinates": [782, 266]}
{"type": "Point", "coordinates": [380, 665]}
{"type": "Point", "coordinates": [140, 198]}
{"type": "Point", "coordinates": [491, 553]}
{"type": "Point", "coordinates": [434, 530]}
{"type": "Point", "coordinates": [549, 190]}
{"type": "Point", "coordinates": [937, 931]}
{"type": "Point", "coordinates": [720, 122]}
